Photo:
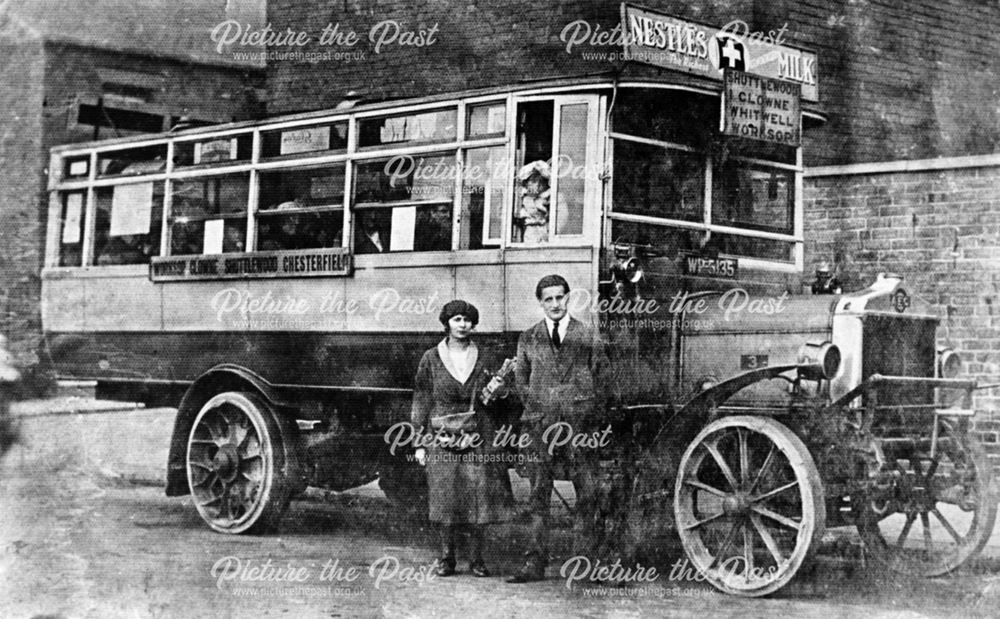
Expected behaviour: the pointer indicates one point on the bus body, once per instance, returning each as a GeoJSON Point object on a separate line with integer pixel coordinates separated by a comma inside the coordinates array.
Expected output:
{"type": "Point", "coordinates": [304, 259]}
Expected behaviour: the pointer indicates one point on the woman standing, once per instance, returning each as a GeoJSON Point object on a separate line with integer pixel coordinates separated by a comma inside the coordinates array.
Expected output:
{"type": "Point", "coordinates": [467, 489]}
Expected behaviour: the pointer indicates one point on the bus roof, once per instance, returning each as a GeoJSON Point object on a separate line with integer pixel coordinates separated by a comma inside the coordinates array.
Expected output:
{"type": "Point", "coordinates": [596, 82]}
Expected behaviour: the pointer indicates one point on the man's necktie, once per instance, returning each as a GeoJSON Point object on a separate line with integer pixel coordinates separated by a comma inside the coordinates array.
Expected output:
{"type": "Point", "coordinates": [555, 334]}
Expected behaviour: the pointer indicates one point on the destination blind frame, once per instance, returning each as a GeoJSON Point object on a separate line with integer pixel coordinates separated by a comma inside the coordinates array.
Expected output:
{"type": "Point", "coordinates": [761, 108]}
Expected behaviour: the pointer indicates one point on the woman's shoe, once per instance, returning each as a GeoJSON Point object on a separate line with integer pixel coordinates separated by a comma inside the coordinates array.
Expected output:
{"type": "Point", "coordinates": [479, 569]}
{"type": "Point", "coordinates": [445, 566]}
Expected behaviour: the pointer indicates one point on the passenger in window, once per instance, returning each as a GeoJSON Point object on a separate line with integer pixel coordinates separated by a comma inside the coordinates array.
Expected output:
{"type": "Point", "coordinates": [433, 229]}
{"type": "Point", "coordinates": [533, 214]}
{"type": "Point", "coordinates": [371, 232]}
{"type": "Point", "coordinates": [187, 239]}
{"type": "Point", "coordinates": [269, 235]}
{"type": "Point", "coordinates": [125, 249]}
{"type": "Point", "coordinates": [233, 239]}
{"type": "Point", "coordinates": [326, 235]}
{"type": "Point", "coordinates": [294, 233]}
{"type": "Point", "coordinates": [289, 205]}
{"type": "Point", "coordinates": [290, 231]}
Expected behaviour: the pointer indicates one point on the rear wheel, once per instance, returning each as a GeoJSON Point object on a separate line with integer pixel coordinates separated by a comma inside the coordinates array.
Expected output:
{"type": "Point", "coordinates": [928, 513]}
{"type": "Point", "coordinates": [748, 504]}
{"type": "Point", "coordinates": [236, 464]}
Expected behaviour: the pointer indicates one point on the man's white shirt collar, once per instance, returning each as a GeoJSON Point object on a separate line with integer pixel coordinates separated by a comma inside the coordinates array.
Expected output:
{"type": "Point", "coordinates": [563, 327]}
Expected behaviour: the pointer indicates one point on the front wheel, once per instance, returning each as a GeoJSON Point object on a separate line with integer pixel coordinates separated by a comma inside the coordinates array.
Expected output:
{"type": "Point", "coordinates": [748, 503]}
{"type": "Point", "coordinates": [236, 464]}
{"type": "Point", "coordinates": [930, 507]}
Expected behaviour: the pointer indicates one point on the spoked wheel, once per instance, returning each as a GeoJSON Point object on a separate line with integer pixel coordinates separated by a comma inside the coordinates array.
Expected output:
{"type": "Point", "coordinates": [929, 513]}
{"type": "Point", "coordinates": [235, 464]}
{"type": "Point", "coordinates": [749, 504]}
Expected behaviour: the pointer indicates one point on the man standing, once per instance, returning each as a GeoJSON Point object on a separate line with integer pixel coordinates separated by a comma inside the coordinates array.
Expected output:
{"type": "Point", "coordinates": [561, 376]}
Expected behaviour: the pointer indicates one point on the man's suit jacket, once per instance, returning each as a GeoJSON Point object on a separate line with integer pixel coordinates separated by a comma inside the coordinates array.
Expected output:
{"type": "Point", "coordinates": [565, 384]}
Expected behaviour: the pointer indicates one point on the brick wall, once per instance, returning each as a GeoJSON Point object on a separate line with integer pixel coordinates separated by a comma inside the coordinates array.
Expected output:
{"type": "Point", "coordinates": [898, 80]}
{"type": "Point", "coordinates": [44, 82]}
{"type": "Point", "coordinates": [940, 230]}
{"type": "Point", "coordinates": [73, 74]}
{"type": "Point", "coordinates": [21, 158]}
{"type": "Point", "coordinates": [902, 80]}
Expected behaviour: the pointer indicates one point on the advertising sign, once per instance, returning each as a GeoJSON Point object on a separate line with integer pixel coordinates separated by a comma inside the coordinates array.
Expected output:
{"type": "Point", "coordinates": [672, 43]}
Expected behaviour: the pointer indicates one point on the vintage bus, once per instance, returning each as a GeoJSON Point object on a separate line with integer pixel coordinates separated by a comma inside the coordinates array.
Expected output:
{"type": "Point", "coordinates": [277, 282]}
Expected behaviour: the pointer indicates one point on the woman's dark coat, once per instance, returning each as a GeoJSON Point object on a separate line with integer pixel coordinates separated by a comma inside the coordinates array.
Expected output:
{"type": "Point", "coordinates": [465, 487]}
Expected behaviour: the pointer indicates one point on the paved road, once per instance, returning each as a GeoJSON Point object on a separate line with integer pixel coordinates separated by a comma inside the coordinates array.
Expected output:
{"type": "Point", "coordinates": [82, 534]}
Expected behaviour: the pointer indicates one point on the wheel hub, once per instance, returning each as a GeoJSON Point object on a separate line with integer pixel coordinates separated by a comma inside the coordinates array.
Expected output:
{"type": "Point", "coordinates": [226, 463]}
{"type": "Point", "coordinates": [737, 503]}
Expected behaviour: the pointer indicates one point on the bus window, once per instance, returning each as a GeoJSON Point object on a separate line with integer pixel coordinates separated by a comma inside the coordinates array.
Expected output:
{"type": "Point", "coordinates": [128, 221]}
{"type": "Point", "coordinates": [209, 236]}
{"type": "Point", "coordinates": [71, 229]}
{"type": "Point", "coordinates": [133, 161]}
{"type": "Point", "coordinates": [487, 120]}
{"type": "Point", "coordinates": [753, 197]}
{"type": "Point", "coordinates": [405, 178]}
{"type": "Point", "coordinates": [215, 150]}
{"type": "Point", "coordinates": [404, 203]}
{"type": "Point", "coordinates": [483, 197]}
{"type": "Point", "coordinates": [208, 214]}
{"type": "Point", "coordinates": [329, 137]}
{"type": "Point", "coordinates": [659, 182]}
{"type": "Point", "coordinates": [408, 129]}
{"type": "Point", "coordinates": [571, 169]}
{"type": "Point", "coordinates": [403, 228]}
{"type": "Point", "coordinates": [668, 117]}
{"type": "Point", "coordinates": [76, 167]}
{"type": "Point", "coordinates": [301, 209]}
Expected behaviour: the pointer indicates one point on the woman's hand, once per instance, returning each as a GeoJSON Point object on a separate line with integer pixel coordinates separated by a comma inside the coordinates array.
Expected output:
{"type": "Point", "coordinates": [496, 389]}
{"type": "Point", "coordinates": [421, 456]}
{"type": "Point", "coordinates": [495, 384]}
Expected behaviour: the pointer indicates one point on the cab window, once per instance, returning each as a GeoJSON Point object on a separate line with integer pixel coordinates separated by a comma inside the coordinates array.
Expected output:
{"type": "Point", "coordinates": [709, 193]}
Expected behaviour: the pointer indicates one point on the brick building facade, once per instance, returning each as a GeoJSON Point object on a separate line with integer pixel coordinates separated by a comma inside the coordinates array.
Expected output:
{"type": "Point", "coordinates": [897, 80]}
{"type": "Point", "coordinates": [902, 85]}
{"type": "Point", "coordinates": [74, 73]}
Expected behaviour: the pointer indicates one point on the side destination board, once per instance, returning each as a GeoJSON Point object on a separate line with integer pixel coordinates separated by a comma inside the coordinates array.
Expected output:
{"type": "Point", "coordinates": [331, 262]}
